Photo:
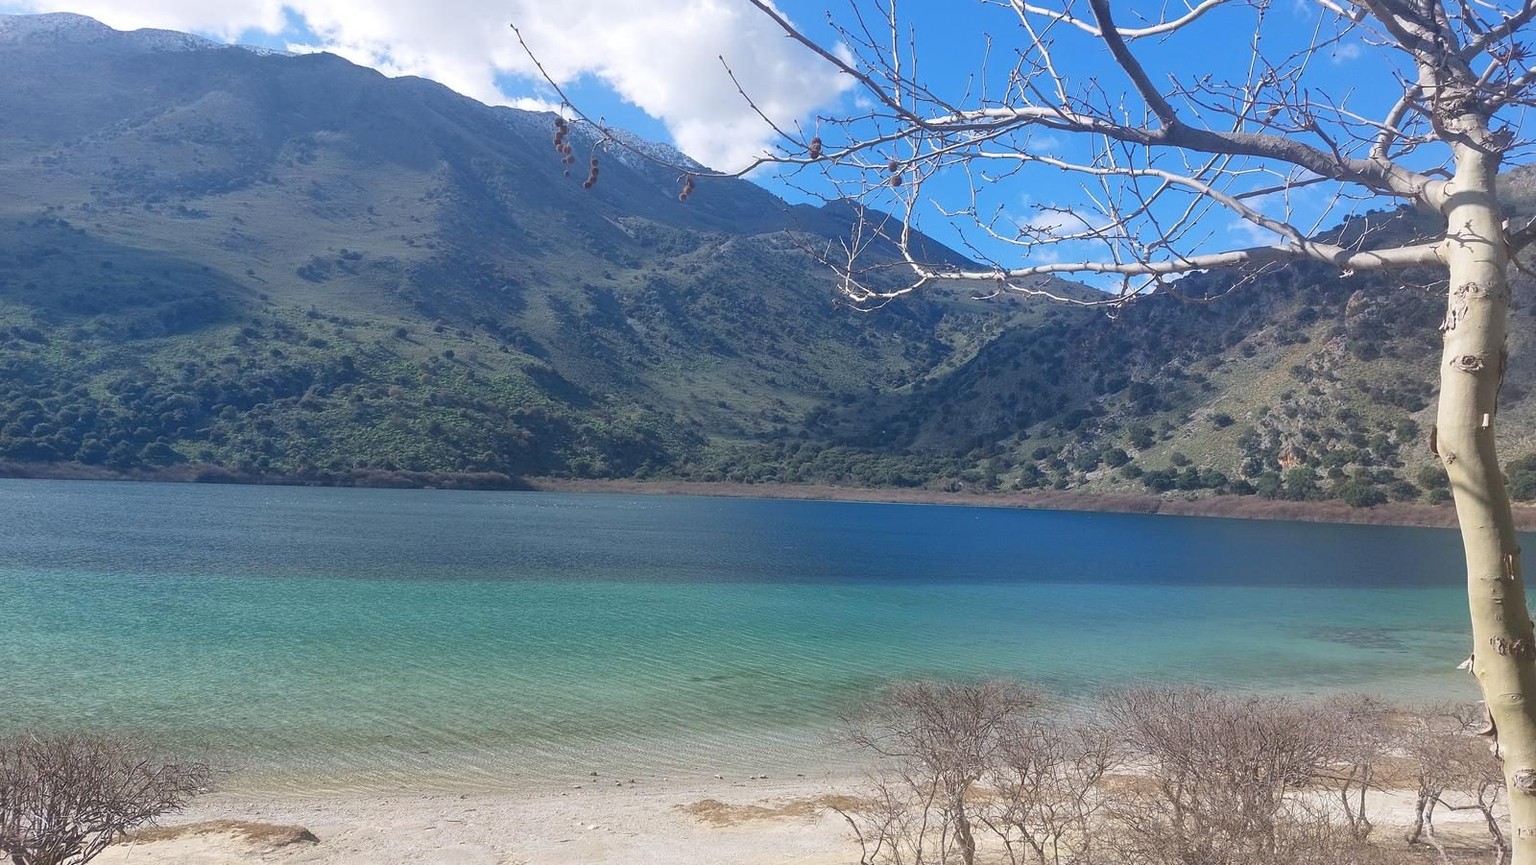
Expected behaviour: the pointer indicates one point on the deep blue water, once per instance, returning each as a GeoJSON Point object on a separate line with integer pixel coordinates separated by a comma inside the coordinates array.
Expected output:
{"type": "Point", "coordinates": [383, 637]}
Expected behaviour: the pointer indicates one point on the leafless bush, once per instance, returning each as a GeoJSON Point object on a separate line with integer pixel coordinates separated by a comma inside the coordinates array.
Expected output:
{"type": "Point", "coordinates": [1364, 736]}
{"type": "Point", "coordinates": [936, 741]}
{"type": "Point", "coordinates": [900, 823]}
{"type": "Point", "coordinates": [1225, 779]}
{"type": "Point", "coordinates": [64, 798]}
{"type": "Point", "coordinates": [1154, 776]}
{"type": "Point", "coordinates": [1046, 785]}
{"type": "Point", "coordinates": [1456, 771]}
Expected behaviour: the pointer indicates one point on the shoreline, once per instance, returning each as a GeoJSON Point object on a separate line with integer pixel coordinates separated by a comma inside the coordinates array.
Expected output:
{"type": "Point", "coordinates": [1411, 514]}
{"type": "Point", "coordinates": [1222, 507]}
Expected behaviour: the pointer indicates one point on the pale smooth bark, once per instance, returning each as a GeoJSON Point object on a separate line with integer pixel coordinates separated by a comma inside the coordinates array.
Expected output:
{"type": "Point", "coordinates": [1471, 371]}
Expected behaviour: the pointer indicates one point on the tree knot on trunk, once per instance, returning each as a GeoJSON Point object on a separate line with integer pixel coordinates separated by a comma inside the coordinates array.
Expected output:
{"type": "Point", "coordinates": [1459, 306]}
{"type": "Point", "coordinates": [1517, 648]}
{"type": "Point", "coordinates": [1454, 315]}
{"type": "Point", "coordinates": [1525, 781]}
{"type": "Point", "coordinates": [1469, 362]}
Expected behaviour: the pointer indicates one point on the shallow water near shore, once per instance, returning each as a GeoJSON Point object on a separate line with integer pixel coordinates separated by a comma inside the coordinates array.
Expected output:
{"type": "Point", "coordinates": [380, 639]}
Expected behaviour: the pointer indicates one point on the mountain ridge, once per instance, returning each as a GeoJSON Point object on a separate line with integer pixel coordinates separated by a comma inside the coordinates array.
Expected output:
{"type": "Point", "coordinates": [288, 266]}
{"type": "Point", "coordinates": [320, 229]}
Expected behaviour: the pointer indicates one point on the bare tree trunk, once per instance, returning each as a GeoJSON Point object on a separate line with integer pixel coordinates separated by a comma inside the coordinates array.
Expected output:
{"type": "Point", "coordinates": [1471, 370]}
{"type": "Point", "coordinates": [1429, 833]}
{"type": "Point", "coordinates": [1487, 806]}
{"type": "Point", "coordinates": [1416, 831]}
{"type": "Point", "coordinates": [963, 837]}
{"type": "Point", "coordinates": [1363, 825]}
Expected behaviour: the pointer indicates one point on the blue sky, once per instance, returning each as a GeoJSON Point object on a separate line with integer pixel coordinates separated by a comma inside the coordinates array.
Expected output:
{"type": "Point", "coordinates": [653, 66]}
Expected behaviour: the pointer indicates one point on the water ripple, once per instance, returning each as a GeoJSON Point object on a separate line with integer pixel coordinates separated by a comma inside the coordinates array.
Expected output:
{"type": "Point", "coordinates": [326, 639]}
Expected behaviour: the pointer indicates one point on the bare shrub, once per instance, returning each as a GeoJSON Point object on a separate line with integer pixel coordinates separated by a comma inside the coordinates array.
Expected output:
{"type": "Point", "coordinates": [1364, 736]}
{"type": "Point", "coordinates": [64, 798]}
{"type": "Point", "coordinates": [1046, 789]}
{"type": "Point", "coordinates": [899, 824]}
{"type": "Point", "coordinates": [1224, 780]}
{"type": "Point", "coordinates": [936, 741]}
{"type": "Point", "coordinates": [1154, 776]}
{"type": "Point", "coordinates": [1455, 770]}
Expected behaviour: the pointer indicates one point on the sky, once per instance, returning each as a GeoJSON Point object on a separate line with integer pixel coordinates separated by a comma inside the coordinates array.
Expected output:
{"type": "Point", "coordinates": [659, 67]}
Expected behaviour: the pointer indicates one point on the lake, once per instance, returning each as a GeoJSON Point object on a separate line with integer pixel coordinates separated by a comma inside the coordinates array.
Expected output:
{"type": "Point", "coordinates": [373, 639]}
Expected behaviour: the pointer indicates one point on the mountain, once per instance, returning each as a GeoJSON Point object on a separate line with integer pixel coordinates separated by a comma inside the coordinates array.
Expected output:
{"type": "Point", "coordinates": [293, 264]}
{"type": "Point", "coordinates": [227, 262]}
{"type": "Point", "coordinates": [1294, 383]}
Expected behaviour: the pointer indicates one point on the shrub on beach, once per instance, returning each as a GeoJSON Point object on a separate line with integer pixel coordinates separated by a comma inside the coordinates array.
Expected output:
{"type": "Point", "coordinates": [1154, 776]}
{"type": "Point", "coordinates": [64, 798]}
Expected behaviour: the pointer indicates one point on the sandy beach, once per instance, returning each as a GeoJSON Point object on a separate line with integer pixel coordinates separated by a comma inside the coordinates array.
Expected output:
{"type": "Point", "coordinates": [752, 822]}
{"type": "Point", "coordinates": [744, 822]}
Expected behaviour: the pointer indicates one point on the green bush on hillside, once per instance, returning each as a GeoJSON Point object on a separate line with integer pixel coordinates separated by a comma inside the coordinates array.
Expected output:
{"type": "Point", "coordinates": [1522, 478]}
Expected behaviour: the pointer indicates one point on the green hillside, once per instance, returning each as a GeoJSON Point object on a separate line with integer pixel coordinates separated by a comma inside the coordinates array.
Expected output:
{"type": "Point", "coordinates": [230, 263]}
{"type": "Point", "coordinates": [294, 265]}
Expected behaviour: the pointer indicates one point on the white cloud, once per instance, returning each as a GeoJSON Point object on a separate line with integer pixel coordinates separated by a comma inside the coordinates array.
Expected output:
{"type": "Point", "coordinates": [1345, 53]}
{"type": "Point", "coordinates": [661, 56]}
{"type": "Point", "coordinates": [225, 19]}
{"type": "Point", "coordinates": [1251, 234]}
{"type": "Point", "coordinates": [530, 103]}
{"type": "Point", "coordinates": [1045, 142]}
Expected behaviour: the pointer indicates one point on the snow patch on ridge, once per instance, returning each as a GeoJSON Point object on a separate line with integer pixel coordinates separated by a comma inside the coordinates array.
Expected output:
{"type": "Point", "coordinates": [640, 153]}
{"type": "Point", "coordinates": [52, 27]}
{"type": "Point", "coordinates": [69, 27]}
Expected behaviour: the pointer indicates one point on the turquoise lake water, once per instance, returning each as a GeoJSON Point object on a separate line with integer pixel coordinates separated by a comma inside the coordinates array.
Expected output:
{"type": "Point", "coordinates": [319, 638]}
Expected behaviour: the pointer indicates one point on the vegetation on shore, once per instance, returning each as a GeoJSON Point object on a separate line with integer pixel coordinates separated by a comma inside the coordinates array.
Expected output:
{"type": "Point", "coordinates": [64, 797]}
{"type": "Point", "coordinates": [992, 772]}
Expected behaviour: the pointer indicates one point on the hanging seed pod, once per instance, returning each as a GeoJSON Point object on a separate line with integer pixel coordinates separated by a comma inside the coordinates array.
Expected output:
{"type": "Point", "coordinates": [893, 167]}
{"type": "Point", "coordinates": [895, 179]}
{"type": "Point", "coordinates": [687, 188]}
{"type": "Point", "coordinates": [815, 148]}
